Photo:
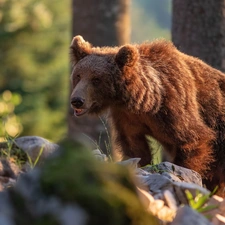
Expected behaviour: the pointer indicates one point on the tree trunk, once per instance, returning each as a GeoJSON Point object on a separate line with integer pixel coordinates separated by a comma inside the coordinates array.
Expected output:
{"type": "Point", "coordinates": [198, 29]}
{"type": "Point", "coordinates": [102, 23]}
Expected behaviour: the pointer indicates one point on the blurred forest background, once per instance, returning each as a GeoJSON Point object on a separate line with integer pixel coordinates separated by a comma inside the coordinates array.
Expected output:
{"type": "Point", "coordinates": [34, 60]}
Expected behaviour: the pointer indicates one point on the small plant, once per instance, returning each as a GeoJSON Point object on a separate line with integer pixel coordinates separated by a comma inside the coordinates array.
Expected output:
{"type": "Point", "coordinates": [156, 148]}
{"type": "Point", "coordinates": [155, 169]}
{"type": "Point", "coordinates": [106, 142]}
{"type": "Point", "coordinates": [11, 152]}
{"type": "Point", "coordinates": [198, 202]}
{"type": "Point", "coordinates": [34, 163]}
{"type": "Point", "coordinates": [6, 152]}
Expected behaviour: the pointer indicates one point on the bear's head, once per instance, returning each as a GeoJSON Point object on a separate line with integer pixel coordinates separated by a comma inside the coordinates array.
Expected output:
{"type": "Point", "coordinates": [97, 75]}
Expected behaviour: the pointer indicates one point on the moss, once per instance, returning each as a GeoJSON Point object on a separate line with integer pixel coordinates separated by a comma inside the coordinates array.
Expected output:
{"type": "Point", "coordinates": [104, 190]}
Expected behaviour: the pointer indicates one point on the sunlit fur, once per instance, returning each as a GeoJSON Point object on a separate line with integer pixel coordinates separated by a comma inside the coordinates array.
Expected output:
{"type": "Point", "coordinates": [154, 89]}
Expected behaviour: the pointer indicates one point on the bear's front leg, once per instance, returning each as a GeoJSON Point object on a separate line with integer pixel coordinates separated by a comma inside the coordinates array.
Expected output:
{"type": "Point", "coordinates": [135, 146]}
{"type": "Point", "coordinates": [129, 140]}
{"type": "Point", "coordinates": [198, 157]}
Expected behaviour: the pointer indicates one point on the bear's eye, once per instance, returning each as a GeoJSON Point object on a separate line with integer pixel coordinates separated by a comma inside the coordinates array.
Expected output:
{"type": "Point", "coordinates": [78, 76]}
{"type": "Point", "coordinates": [96, 81]}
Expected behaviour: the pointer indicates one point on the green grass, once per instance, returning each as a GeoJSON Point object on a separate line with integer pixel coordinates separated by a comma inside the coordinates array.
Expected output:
{"type": "Point", "coordinates": [10, 151]}
{"type": "Point", "coordinates": [33, 163]}
{"type": "Point", "coordinates": [199, 202]}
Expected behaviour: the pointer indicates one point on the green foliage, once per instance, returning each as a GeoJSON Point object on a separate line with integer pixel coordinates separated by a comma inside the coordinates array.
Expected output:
{"type": "Point", "coordinates": [10, 152]}
{"type": "Point", "coordinates": [34, 62]}
{"type": "Point", "coordinates": [7, 151]}
{"type": "Point", "coordinates": [10, 123]}
{"type": "Point", "coordinates": [199, 201]}
{"type": "Point", "coordinates": [104, 190]}
{"type": "Point", "coordinates": [34, 162]}
{"type": "Point", "coordinates": [34, 40]}
{"type": "Point", "coordinates": [156, 150]}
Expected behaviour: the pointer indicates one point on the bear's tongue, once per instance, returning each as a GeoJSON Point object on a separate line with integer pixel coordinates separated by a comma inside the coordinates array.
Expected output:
{"type": "Point", "coordinates": [79, 112]}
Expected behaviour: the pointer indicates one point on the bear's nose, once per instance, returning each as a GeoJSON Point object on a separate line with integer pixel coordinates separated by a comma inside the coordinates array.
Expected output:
{"type": "Point", "coordinates": [77, 102]}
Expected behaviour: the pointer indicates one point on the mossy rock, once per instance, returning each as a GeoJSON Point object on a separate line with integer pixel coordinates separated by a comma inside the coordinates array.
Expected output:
{"type": "Point", "coordinates": [104, 191]}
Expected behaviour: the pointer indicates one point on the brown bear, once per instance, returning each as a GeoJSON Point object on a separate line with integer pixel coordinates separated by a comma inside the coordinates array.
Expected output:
{"type": "Point", "coordinates": [152, 89]}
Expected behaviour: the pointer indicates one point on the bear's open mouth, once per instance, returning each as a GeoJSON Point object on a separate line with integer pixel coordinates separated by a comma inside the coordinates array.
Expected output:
{"type": "Point", "coordinates": [79, 112]}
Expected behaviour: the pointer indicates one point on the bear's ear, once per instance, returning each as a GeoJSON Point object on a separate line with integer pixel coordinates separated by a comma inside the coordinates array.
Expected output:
{"type": "Point", "coordinates": [79, 48]}
{"type": "Point", "coordinates": [127, 56]}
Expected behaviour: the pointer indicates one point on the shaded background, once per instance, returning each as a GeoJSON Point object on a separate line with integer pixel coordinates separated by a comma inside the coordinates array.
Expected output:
{"type": "Point", "coordinates": [34, 57]}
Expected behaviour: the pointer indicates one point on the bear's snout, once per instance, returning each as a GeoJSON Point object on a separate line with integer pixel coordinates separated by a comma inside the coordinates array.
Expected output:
{"type": "Point", "coordinates": [77, 102]}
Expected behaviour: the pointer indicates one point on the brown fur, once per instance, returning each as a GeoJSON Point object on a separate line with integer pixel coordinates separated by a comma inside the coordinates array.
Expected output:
{"type": "Point", "coordinates": [154, 89]}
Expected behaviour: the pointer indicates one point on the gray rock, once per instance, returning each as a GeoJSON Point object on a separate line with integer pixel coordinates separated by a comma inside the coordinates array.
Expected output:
{"type": "Point", "coordinates": [180, 189]}
{"type": "Point", "coordinates": [187, 216]}
{"type": "Point", "coordinates": [171, 176]}
{"type": "Point", "coordinates": [9, 171]}
{"type": "Point", "coordinates": [173, 172]}
{"type": "Point", "coordinates": [6, 182]}
{"type": "Point", "coordinates": [99, 156]}
{"type": "Point", "coordinates": [4, 220]}
{"type": "Point", "coordinates": [41, 195]}
{"type": "Point", "coordinates": [9, 168]}
{"type": "Point", "coordinates": [6, 210]}
{"type": "Point", "coordinates": [73, 215]}
{"type": "Point", "coordinates": [34, 146]}
{"type": "Point", "coordinates": [168, 177]}
{"type": "Point", "coordinates": [28, 188]}
{"type": "Point", "coordinates": [157, 183]}
{"type": "Point", "coordinates": [133, 162]}
{"type": "Point", "coordinates": [170, 199]}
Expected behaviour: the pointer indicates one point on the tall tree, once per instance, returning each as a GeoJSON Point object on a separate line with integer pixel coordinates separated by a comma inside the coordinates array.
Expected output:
{"type": "Point", "coordinates": [198, 29]}
{"type": "Point", "coordinates": [102, 23]}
